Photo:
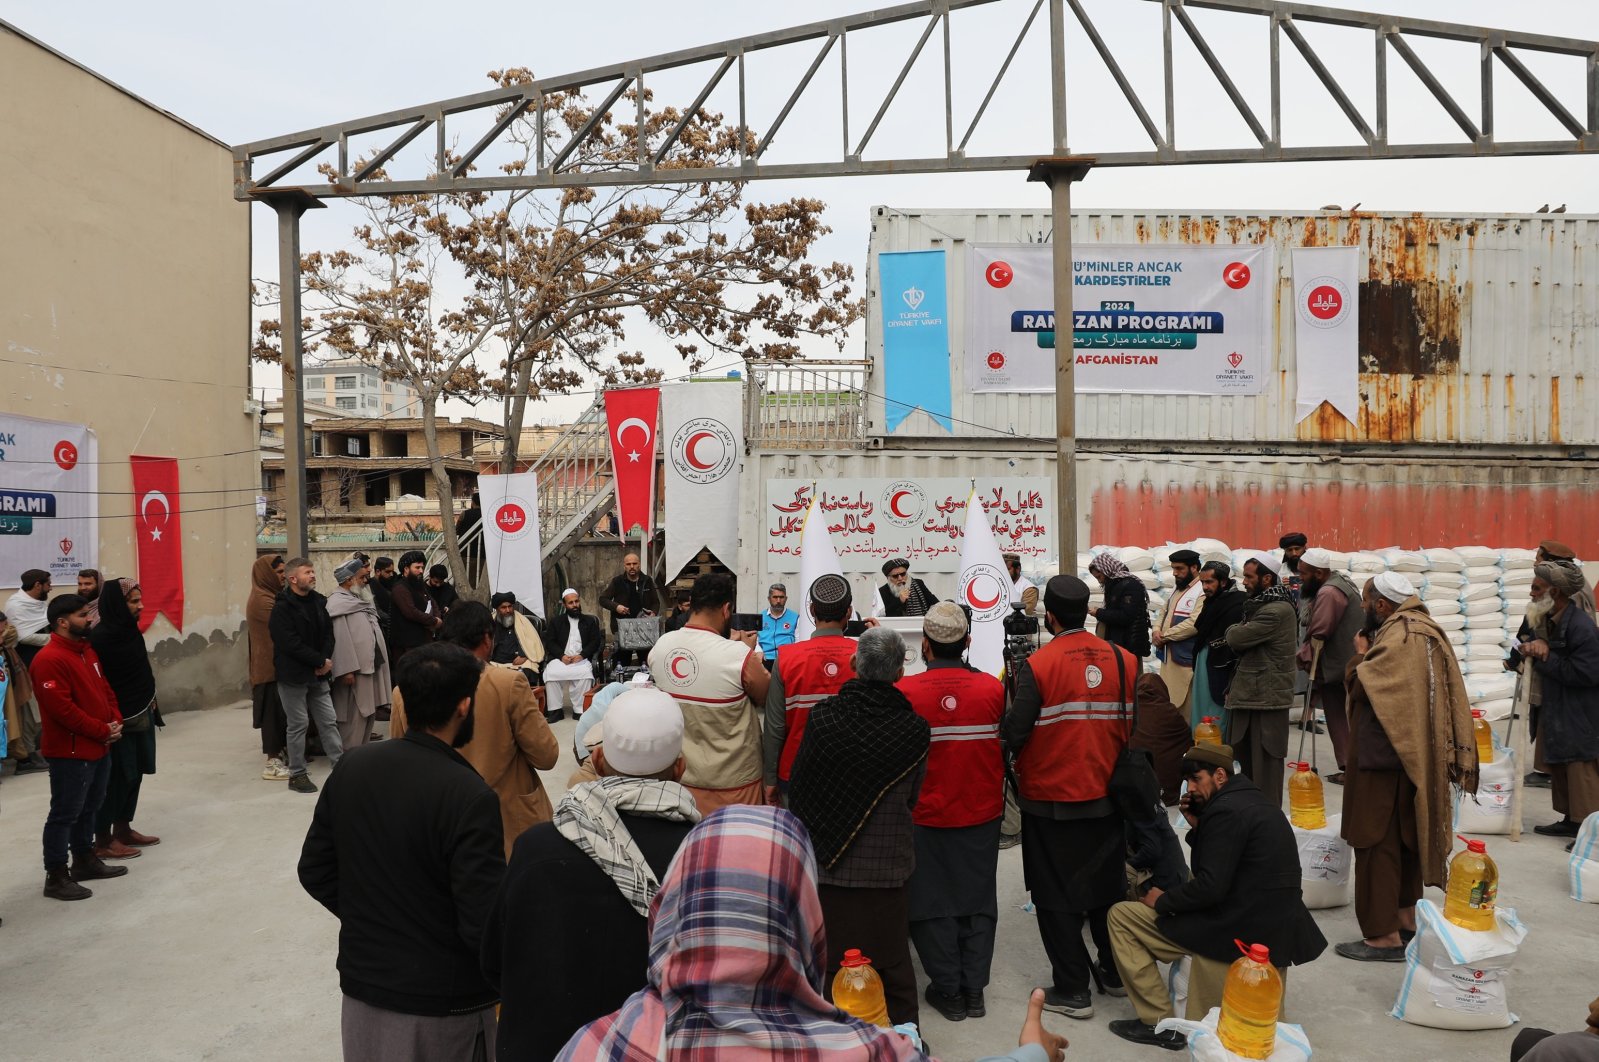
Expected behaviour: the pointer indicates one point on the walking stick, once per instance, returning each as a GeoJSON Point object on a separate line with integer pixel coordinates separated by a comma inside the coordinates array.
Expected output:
{"type": "Point", "coordinates": [1306, 716]}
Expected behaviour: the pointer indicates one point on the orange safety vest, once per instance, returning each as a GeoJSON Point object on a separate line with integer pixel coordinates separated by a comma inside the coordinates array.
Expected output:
{"type": "Point", "coordinates": [812, 671]}
{"type": "Point", "coordinates": [1080, 731]}
{"type": "Point", "coordinates": [965, 781]}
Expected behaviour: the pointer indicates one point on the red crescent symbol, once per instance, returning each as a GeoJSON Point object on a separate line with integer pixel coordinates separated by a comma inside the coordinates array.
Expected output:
{"type": "Point", "coordinates": [673, 667]}
{"type": "Point", "coordinates": [688, 450]}
{"type": "Point", "coordinates": [893, 504]}
{"type": "Point", "coordinates": [981, 606]}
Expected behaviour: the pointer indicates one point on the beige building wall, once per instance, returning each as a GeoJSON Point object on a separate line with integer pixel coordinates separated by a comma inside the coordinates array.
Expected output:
{"type": "Point", "coordinates": [124, 281]}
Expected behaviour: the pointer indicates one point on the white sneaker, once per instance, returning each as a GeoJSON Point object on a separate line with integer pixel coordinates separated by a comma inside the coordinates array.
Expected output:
{"type": "Point", "coordinates": [275, 770]}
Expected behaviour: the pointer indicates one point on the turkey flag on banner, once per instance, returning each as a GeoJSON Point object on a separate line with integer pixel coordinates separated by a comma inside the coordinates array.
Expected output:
{"type": "Point", "coordinates": [158, 527]}
{"type": "Point", "coordinates": [631, 416]}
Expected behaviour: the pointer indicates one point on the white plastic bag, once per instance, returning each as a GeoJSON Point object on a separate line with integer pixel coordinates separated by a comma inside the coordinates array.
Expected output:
{"type": "Point", "coordinates": [1479, 592]}
{"type": "Point", "coordinates": [1495, 710]}
{"type": "Point", "coordinates": [1449, 606]}
{"type": "Point", "coordinates": [1477, 556]}
{"type": "Point", "coordinates": [1443, 560]}
{"type": "Point", "coordinates": [1486, 573]}
{"type": "Point", "coordinates": [1368, 561]}
{"type": "Point", "coordinates": [1486, 621]}
{"type": "Point", "coordinates": [1491, 687]}
{"type": "Point", "coordinates": [1492, 810]}
{"type": "Point", "coordinates": [1136, 558]}
{"type": "Point", "coordinates": [1454, 977]}
{"type": "Point", "coordinates": [1483, 606]}
{"type": "Point", "coordinates": [1518, 558]}
{"type": "Point", "coordinates": [1324, 859]}
{"type": "Point", "coordinates": [1205, 1046]}
{"type": "Point", "coordinates": [1584, 864]}
{"type": "Point", "coordinates": [1404, 560]}
{"type": "Point", "coordinates": [1445, 579]}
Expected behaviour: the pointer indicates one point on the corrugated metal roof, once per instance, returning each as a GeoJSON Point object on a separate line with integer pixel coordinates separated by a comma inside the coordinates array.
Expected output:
{"type": "Point", "coordinates": [1473, 329]}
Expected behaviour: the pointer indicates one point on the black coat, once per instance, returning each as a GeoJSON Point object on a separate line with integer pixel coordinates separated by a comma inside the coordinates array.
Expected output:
{"type": "Point", "coordinates": [1245, 884]}
{"type": "Point", "coordinates": [405, 848]}
{"type": "Point", "coordinates": [562, 943]}
{"type": "Point", "coordinates": [1219, 613]}
{"type": "Point", "coordinates": [1569, 715]}
{"type": "Point", "coordinates": [638, 597]}
{"type": "Point", "coordinates": [559, 629]}
{"type": "Point", "coordinates": [302, 636]}
{"type": "Point", "coordinates": [413, 614]}
{"type": "Point", "coordinates": [1126, 615]}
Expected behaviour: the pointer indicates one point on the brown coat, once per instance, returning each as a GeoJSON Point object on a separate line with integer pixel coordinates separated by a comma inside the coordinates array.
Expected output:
{"type": "Point", "coordinates": [1371, 792]}
{"type": "Point", "coordinates": [510, 744]}
{"type": "Point", "coordinates": [264, 587]}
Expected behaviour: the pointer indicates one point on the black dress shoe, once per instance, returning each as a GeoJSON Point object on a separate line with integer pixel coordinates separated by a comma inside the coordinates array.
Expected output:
{"type": "Point", "coordinates": [1360, 951]}
{"type": "Point", "coordinates": [34, 762]}
{"type": "Point", "coordinates": [1563, 828]}
{"type": "Point", "coordinates": [1135, 1031]}
{"type": "Point", "coordinates": [975, 1007]}
{"type": "Point", "coordinates": [1108, 980]}
{"type": "Point", "coordinates": [1537, 780]}
{"type": "Point", "coordinates": [952, 1005]}
{"type": "Point", "coordinates": [553, 717]}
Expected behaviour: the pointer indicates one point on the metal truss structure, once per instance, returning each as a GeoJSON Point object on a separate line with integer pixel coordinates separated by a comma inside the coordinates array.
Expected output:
{"type": "Point", "coordinates": [378, 164]}
{"type": "Point", "coordinates": [263, 164]}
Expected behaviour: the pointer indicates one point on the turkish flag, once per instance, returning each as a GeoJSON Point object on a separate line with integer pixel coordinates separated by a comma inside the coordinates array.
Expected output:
{"type": "Point", "coordinates": [158, 528]}
{"type": "Point", "coordinates": [631, 416]}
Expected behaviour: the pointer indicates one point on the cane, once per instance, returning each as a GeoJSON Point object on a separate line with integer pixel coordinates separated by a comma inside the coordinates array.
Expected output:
{"type": "Point", "coordinates": [1306, 716]}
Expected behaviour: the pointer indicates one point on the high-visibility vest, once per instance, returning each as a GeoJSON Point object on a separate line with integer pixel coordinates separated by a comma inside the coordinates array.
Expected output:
{"type": "Point", "coordinates": [1081, 729]}
{"type": "Point", "coordinates": [965, 781]}
{"type": "Point", "coordinates": [721, 732]}
{"type": "Point", "coordinates": [811, 672]}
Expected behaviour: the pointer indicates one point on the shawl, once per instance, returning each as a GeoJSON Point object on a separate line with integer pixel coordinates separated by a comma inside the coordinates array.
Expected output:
{"type": "Point", "coordinates": [27, 615]}
{"type": "Point", "coordinates": [858, 745]}
{"type": "Point", "coordinates": [1275, 592]}
{"type": "Point", "coordinates": [123, 655]}
{"type": "Point", "coordinates": [1413, 682]}
{"type": "Point", "coordinates": [588, 816]}
{"type": "Point", "coordinates": [1108, 566]}
{"type": "Point", "coordinates": [737, 957]}
{"type": "Point", "coordinates": [1163, 733]}
{"type": "Point", "coordinates": [264, 586]}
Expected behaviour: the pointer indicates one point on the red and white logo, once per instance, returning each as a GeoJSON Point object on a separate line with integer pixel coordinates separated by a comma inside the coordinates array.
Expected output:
{"type": "Point", "coordinates": [511, 519]}
{"type": "Point", "coordinates": [48, 684]}
{"type": "Point", "coordinates": [903, 503]}
{"type": "Point", "coordinates": [1093, 676]}
{"type": "Point", "coordinates": [66, 547]}
{"type": "Point", "coordinates": [66, 455]}
{"type": "Point", "coordinates": [999, 274]}
{"type": "Point", "coordinates": [1236, 275]}
{"type": "Point", "coordinates": [830, 669]}
{"type": "Point", "coordinates": [1235, 359]}
{"type": "Point", "coordinates": [682, 667]}
{"type": "Point", "coordinates": [703, 450]}
{"type": "Point", "coordinates": [1324, 302]}
{"type": "Point", "coordinates": [948, 702]}
{"type": "Point", "coordinates": [984, 588]}
{"type": "Point", "coordinates": [996, 360]}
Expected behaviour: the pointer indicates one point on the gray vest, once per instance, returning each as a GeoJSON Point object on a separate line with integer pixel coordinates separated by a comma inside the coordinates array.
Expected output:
{"type": "Point", "coordinates": [1340, 647]}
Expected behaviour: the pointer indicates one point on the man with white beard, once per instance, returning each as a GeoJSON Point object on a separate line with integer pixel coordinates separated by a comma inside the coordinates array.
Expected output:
{"type": "Point", "coordinates": [361, 684]}
{"type": "Point", "coordinates": [1566, 659]}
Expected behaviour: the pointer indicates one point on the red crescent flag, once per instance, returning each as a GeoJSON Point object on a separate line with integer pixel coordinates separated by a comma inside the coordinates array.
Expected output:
{"type": "Point", "coordinates": [630, 417]}
{"type": "Point", "coordinates": [158, 529]}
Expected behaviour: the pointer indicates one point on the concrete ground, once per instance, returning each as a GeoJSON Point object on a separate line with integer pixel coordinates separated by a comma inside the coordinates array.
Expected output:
{"type": "Point", "coordinates": [208, 949]}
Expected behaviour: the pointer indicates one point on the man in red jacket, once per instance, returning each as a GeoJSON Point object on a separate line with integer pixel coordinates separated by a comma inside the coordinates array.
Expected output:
{"type": "Point", "coordinates": [81, 720]}
{"type": "Point", "coordinates": [954, 908]}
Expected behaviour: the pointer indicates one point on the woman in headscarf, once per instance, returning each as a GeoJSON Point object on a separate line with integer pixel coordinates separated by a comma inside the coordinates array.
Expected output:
{"type": "Point", "coordinates": [119, 644]}
{"type": "Point", "coordinates": [266, 580]}
{"type": "Point", "coordinates": [737, 957]}
{"type": "Point", "coordinates": [1124, 618]}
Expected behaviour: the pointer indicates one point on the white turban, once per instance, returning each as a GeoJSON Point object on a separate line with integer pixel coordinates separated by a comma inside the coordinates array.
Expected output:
{"type": "Point", "coordinates": [1394, 587]}
{"type": "Point", "coordinates": [1316, 557]}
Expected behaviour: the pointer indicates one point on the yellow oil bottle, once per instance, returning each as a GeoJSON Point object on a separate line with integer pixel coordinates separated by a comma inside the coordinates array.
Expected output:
{"type": "Point", "coordinates": [1251, 999]}
{"type": "Point", "coordinates": [1307, 809]}
{"type": "Point", "coordinates": [858, 990]}
{"type": "Point", "coordinates": [1473, 887]}
{"type": "Point", "coordinates": [1207, 732]}
{"type": "Point", "coordinates": [1484, 735]}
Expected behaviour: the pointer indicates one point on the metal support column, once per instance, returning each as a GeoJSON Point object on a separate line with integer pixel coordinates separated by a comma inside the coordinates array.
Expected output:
{"type": "Point", "coordinates": [1059, 174]}
{"type": "Point", "coordinates": [290, 203]}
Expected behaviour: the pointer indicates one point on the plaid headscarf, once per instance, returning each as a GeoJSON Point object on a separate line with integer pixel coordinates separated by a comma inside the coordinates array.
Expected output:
{"type": "Point", "coordinates": [1108, 566]}
{"type": "Point", "coordinates": [737, 957]}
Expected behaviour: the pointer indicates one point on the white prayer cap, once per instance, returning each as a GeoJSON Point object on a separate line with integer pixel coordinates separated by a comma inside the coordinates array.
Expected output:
{"type": "Point", "coordinates": [568, 592]}
{"type": "Point", "coordinates": [1270, 561]}
{"type": "Point", "coordinates": [642, 732]}
{"type": "Point", "coordinates": [1317, 557]}
{"type": "Point", "coordinates": [1394, 587]}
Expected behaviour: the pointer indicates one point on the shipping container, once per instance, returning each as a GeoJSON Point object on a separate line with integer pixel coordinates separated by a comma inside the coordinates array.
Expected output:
{"type": "Point", "coordinates": [1473, 330]}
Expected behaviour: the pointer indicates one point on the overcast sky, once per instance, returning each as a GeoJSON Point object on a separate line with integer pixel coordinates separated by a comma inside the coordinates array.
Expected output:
{"type": "Point", "coordinates": [243, 72]}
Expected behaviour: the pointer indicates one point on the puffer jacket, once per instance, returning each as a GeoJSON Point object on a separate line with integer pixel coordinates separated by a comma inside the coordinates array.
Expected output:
{"type": "Point", "coordinates": [1265, 644]}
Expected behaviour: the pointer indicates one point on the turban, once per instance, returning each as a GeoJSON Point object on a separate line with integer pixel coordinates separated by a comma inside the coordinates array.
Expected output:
{"type": "Point", "coordinates": [348, 570]}
{"type": "Point", "coordinates": [1293, 538]}
{"type": "Point", "coordinates": [895, 562]}
{"type": "Point", "coordinates": [504, 597]}
{"type": "Point", "coordinates": [1316, 558]}
{"type": "Point", "coordinates": [1563, 576]}
{"type": "Point", "coordinates": [1108, 566]}
{"type": "Point", "coordinates": [1185, 556]}
{"type": "Point", "coordinates": [829, 589]}
{"type": "Point", "coordinates": [410, 557]}
{"type": "Point", "coordinates": [1394, 587]}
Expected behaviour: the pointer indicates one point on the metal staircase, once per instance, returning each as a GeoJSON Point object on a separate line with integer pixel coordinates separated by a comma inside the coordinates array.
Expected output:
{"type": "Point", "coordinates": [575, 484]}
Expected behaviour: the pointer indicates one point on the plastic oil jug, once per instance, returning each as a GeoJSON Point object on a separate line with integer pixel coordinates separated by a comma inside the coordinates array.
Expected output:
{"type": "Point", "coordinates": [858, 991]}
{"type": "Point", "coordinates": [1473, 888]}
{"type": "Point", "coordinates": [1306, 807]}
{"type": "Point", "coordinates": [1251, 999]}
{"type": "Point", "coordinates": [1207, 732]}
{"type": "Point", "coordinates": [1484, 735]}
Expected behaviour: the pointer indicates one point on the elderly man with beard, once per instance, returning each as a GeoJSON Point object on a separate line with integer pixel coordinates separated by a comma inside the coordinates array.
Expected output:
{"type": "Point", "coordinates": [1410, 739]}
{"type": "Point", "coordinates": [517, 643]}
{"type": "Point", "coordinates": [572, 646]}
{"type": "Point", "coordinates": [1552, 552]}
{"type": "Point", "coordinates": [1262, 691]}
{"type": "Point", "coordinates": [1330, 616]}
{"type": "Point", "coordinates": [1566, 661]}
{"type": "Point", "coordinates": [1532, 627]}
{"type": "Point", "coordinates": [361, 685]}
{"type": "Point", "coordinates": [1174, 639]}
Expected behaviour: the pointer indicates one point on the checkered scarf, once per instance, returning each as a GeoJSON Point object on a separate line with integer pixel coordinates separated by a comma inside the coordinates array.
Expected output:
{"type": "Point", "coordinates": [589, 817]}
{"type": "Point", "coordinates": [1108, 566]}
{"type": "Point", "coordinates": [738, 954]}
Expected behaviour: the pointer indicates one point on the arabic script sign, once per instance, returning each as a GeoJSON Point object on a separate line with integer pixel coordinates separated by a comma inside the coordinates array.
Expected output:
{"type": "Point", "coordinates": [871, 520]}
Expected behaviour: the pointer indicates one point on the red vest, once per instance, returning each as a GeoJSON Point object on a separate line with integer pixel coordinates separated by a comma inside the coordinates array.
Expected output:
{"type": "Point", "coordinates": [965, 783]}
{"type": "Point", "coordinates": [812, 671]}
{"type": "Point", "coordinates": [1080, 731]}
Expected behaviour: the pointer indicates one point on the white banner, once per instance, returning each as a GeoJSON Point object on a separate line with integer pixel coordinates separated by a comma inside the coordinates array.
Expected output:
{"type": "Point", "coordinates": [985, 588]}
{"type": "Point", "coordinates": [702, 438]}
{"type": "Point", "coordinates": [922, 520]}
{"type": "Point", "coordinates": [817, 558]}
{"type": "Point", "coordinates": [49, 499]}
{"type": "Point", "coordinates": [1151, 319]}
{"type": "Point", "coordinates": [1327, 330]}
{"type": "Point", "coordinates": [511, 542]}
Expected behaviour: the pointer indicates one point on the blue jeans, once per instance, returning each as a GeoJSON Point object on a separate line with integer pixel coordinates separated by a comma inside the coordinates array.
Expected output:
{"type": "Point", "coordinates": [299, 704]}
{"type": "Point", "coordinates": [77, 788]}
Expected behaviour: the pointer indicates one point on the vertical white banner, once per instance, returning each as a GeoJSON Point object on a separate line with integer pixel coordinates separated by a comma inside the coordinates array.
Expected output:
{"type": "Point", "coordinates": [703, 441]}
{"type": "Point", "coordinates": [49, 499]}
{"type": "Point", "coordinates": [817, 558]}
{"type": "Point", "coordinates": [985, 589]}
{"type": "Point", "coordinates": [1327, 330]}
{"type": "Point", "coordinates": [511, 543]}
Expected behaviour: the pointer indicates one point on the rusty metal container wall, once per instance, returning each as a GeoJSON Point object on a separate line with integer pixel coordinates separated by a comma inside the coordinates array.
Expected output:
{"type": "Point", "coordinates": [1473, 329]}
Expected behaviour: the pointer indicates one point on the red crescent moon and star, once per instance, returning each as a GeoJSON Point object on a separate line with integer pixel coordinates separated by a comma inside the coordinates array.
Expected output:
{"type": "Point", "coordinates": [893, 504]}
{"type": "Point", "coordinates": [1236, 275]}
{"type": "Point", "coordinates": [688, 451]}
{"type": "Point", "coordinates": [66, 455]}
{"type": "Point", "coordinates": [973, 600]}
